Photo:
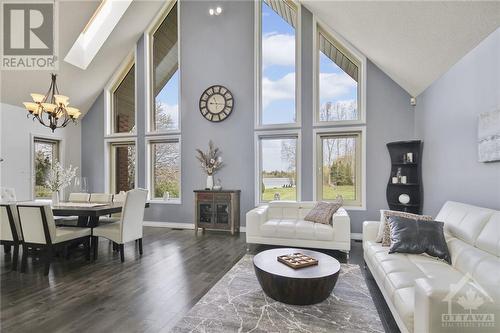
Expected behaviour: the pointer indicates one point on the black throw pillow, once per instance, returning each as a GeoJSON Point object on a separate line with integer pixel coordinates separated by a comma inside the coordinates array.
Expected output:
{"type": "Point", "coordinates": [417, 237]}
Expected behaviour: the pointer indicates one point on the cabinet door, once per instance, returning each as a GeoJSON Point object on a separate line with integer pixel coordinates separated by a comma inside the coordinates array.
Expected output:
{"type": "Point", "coordinates": [205, 212]}
{"type": "Point", "coordinates": [223, 213]}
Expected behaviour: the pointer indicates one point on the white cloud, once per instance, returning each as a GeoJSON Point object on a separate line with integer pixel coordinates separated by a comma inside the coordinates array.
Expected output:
{"type": "Point", "coordinates": [278, 49]}
{"type": "Point", "coordinates": [333, 85]}
{"type": "Point", "coordinates": [281, 89]}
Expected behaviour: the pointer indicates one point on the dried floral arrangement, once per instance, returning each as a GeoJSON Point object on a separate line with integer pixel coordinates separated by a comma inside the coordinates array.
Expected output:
{"type": "Point", "coordinates": [211, 161]}
{"type": "Point", "coordinates": [59, 177]}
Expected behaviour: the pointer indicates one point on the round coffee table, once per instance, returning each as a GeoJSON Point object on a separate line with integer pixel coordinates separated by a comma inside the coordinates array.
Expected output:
{"type": "Point", "coordinates": [303, 286]}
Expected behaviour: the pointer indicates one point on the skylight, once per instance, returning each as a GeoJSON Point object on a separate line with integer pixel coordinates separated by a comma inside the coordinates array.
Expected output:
{"type": "Point", "coordinates": [95, 33]}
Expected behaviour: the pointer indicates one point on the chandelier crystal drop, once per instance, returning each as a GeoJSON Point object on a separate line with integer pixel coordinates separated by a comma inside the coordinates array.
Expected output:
{"type": "Point", "coordinates": [52, 110]}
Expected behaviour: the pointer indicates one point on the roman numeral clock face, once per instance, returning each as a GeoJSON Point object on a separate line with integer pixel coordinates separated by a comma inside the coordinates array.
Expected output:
{"type": "Point", "coordinates": [216, 103]}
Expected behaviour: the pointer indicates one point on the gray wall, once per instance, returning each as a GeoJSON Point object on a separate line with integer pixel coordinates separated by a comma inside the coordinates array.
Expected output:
{"type": "Point", "coordinates": [208, 59]}
{"type": "Point", "coordinates": [446, 119]}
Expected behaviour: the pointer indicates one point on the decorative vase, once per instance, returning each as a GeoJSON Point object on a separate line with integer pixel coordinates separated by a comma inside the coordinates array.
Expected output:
{"type": "Point", "coordinates": [210, 182]}
{"type": "Point", "coordinates": [55, 198]}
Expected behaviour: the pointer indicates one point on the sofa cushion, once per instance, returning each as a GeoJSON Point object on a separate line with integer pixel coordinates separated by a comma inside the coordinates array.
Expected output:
{"type": "Point", "coordinates": [290, 228]}
{"type": "Point", "coordinates": [286, 228]}
{"type": "Point", "coordinates": [323, 211]}
{"type": "Point", "coordinates": [384, 234]}
{"type": "Point", "coordinates": [489, 237]}
{"type": "Point", "coordinates": [397, 280]}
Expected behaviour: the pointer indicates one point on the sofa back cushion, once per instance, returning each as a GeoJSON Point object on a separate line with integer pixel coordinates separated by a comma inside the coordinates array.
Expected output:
{"type": "Point", "coordinates": [289, 209]}
{"type": "Point", "coordinates": [463, 221]}
{"type": "Point", "coordinates": [489, 238]}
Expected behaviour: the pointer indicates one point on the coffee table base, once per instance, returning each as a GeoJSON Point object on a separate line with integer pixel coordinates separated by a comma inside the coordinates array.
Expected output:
{"type": "Point", "coordinates": [296, 291]}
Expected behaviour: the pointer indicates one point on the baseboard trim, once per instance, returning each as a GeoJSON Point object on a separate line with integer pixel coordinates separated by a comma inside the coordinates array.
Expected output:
{"type": "Point", "coordinates": [175, 225]}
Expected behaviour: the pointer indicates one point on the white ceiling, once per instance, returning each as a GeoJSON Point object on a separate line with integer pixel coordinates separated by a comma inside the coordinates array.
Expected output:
{"type": "Point", "coordinates": [414, 42]}
{"type": "Point", "coordinates": [82, 86]}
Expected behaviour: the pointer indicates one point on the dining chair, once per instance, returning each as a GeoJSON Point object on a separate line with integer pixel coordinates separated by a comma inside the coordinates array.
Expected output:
{"type": "Point", "coordinates": [10, 230]}
{"type": "Point", "coordinates": [39, 231]}
{"type": "Point", "coordinates": [7, 194]}
{"type": "Point", "coordinates": [79, 197]}
{"type": "Point", "coordinates": [101, 198]}
{"type": "Point", "coordinates": [129, 227]}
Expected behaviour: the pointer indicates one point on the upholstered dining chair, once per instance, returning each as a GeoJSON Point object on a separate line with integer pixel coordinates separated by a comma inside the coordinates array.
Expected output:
{"type": "Point", "coordinates": [79, 197]}
{"type": "Point", "coordinates": [72, 221]}
{"type": "Point", "coordinates": [129, 228]}
{"type": "Point", "coordinates": [10, 230]}
{"type": "Point", "coordinates": [39, 230]}
{"type": "Point", "coordinates": [101, 198]}
{"type": "Point", "coordinates": [7, 194]}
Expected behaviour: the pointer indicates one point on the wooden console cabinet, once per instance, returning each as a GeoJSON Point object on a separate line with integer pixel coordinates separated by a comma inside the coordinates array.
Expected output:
{"type": "Point", "coordinates": [218, 210]}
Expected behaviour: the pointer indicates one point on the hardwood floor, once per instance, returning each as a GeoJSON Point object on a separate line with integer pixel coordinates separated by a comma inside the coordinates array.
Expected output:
{"type": "Point", "coordinates": [144, 294]}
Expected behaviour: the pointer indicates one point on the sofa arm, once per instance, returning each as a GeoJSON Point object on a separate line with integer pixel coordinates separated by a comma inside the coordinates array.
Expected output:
{"type": "Point", "coordinates": [254, 219]}
{"type": "Point", "coordinates": [439, 305]}
{"type": "Point", "coordinates": [341, 226]}
{"type": "Point", "coordinates": [370, 230]}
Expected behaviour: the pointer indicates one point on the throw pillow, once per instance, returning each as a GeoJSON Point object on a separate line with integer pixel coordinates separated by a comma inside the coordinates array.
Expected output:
{"type": "Point", "coordinates": [417, 237]}
{"type": "Point", "coordinates": [386, 233]}
{"type": "Point", "coordinates": [323, 211]}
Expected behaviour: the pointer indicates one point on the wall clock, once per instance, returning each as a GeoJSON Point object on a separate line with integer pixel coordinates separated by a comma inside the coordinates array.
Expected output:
{"type": "Point", "coordinates": [216, 103]}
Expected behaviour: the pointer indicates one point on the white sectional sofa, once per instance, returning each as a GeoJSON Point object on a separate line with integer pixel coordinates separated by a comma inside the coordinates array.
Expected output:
{"type": "Point", "coordinates": [423, 293]}
{"type": "Point", "coordinates": [282, 223]}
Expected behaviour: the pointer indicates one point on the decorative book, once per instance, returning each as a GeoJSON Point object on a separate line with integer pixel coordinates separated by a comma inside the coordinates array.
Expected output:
{"type": "Point", "coordinates": [297, 260]}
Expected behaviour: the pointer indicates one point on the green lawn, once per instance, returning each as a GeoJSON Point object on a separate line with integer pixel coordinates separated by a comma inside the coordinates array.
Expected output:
{"type": "Point", "coordinates": [329, 193]}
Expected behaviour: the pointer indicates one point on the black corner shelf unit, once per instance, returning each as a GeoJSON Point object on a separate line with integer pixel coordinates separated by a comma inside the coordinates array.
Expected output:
{"type": "Point", "coordinates": [412, 171]}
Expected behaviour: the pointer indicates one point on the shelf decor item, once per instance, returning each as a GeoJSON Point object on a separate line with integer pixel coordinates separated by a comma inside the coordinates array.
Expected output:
{"type": "Point", "coordinates": [406, 167]}
{"type": "Point", "coordinates": [211, 162]}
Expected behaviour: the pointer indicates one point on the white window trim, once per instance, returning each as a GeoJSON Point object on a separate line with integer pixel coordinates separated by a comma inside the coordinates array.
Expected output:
{"type": "Point", "coordinates": [316, 168]}
{"type": "Point", "coordinates": [359, 57]}
{"type": "Point", "coordinates": [110, 87]}
{"type": "Point", "coordinates": [149, 166]}
{"type": "Point", "coordinates": [61, 157]}
{"type": "Point", "coordinates": [148, 55]}
{"type": "Point", "coordinates": [107, 160]}
{"type": "Point", "coordinates": [258, 75]}
{"type": "Point", "coordinates": [277, 134]}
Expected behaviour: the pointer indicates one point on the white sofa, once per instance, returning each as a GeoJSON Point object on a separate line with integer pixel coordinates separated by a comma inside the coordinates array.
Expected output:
{"type": "Point", "coordinates": [423, 293]}
{"type": "Point", "coordinates": [282, 223]}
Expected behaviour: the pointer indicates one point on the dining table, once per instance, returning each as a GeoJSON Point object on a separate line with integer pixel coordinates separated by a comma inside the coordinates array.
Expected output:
{"type": "Point", "coordinates": [88, 213]}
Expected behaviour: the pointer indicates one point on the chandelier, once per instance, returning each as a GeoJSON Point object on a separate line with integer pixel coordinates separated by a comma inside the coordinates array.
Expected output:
{"type": "Point", "coordinates": [52, 109]}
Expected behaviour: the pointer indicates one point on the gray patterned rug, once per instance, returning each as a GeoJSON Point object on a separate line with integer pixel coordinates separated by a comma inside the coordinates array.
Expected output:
{"type": "Point", "coordinates": [238, 304]}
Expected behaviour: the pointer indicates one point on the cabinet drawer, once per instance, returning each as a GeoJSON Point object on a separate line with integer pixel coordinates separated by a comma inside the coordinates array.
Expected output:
{"type": "Point", "coordinates": [222, 196]}
{"type": "Point", "coordinates": [205, 196]}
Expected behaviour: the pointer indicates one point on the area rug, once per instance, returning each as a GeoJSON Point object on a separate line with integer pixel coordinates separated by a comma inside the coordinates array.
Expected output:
{"type": "Point", "coordinates": [238, 304]}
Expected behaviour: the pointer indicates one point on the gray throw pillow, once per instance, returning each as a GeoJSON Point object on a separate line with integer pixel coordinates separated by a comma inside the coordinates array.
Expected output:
{"type": "Point", "coordinates": [417, 237]}
{"type": "Point", "coordinates": [323, 211]}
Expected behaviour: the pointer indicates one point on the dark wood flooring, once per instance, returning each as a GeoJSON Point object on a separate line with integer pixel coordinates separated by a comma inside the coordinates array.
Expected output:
{"type": "Point", "coordinates": [144, 294]}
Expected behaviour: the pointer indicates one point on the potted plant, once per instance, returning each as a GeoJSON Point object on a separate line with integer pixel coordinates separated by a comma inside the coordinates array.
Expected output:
{"type": "Point", "coordinates": [58, 178]}
{"type": "Point", "coordinates": [211, 162]}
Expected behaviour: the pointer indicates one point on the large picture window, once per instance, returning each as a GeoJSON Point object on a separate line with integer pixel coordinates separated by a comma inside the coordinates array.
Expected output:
{"type": "Point", "coordinates": [122, 166]}
{"type": "Point", "coordinates": [339, 167]}
{"type": "Point", "coordinates": [165, 169]}
{"type": "Point", "coordinates": [45, 154]}
{"type": "Point", "coordinates": [338, 81]}
{"type": "Point", "coordinates": [123, 104]}
{"type": "Point", "coordinates": [278, 23]}
{"type": "Point", "coordinates": [278, 166]}
{"type": "Point", "coordinates": [165, 74]}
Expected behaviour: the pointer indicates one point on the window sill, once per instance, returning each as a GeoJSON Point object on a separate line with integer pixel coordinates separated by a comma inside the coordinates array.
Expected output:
{"type": "Point", "coordinates": [165, 202]}
{"type": "Point", "coordinates": [339, 123]}
{"type": "Point", "coordinates": [161, 133]}
{"type": "Point", "coordinates": [272, 127]}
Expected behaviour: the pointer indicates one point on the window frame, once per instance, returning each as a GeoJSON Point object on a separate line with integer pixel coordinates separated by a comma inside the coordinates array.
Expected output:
{"type": "Point", "coordinates": [109, 175]}
{"type": "Point", "coordinates": [355, 56]}
{"type": "Point", "coordinates": [109, 90]}
{"type": "Point", "coordinates": [149, 167]}
{"type": "Point", "coordinates": [148, 55]}
{"type": "Point", "coordinates": [276, 134]}
{"type": "Point", "coordinates": [258, 125]}
{"type": "Point", "coordinates": [318, 133]}
{"type": "Point", "coordinates": [60, 157]}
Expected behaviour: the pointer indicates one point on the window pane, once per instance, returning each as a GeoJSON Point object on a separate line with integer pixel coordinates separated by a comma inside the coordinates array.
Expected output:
{"type": "Point", "coordinates": [45, 155]}
{"type": "Point", "coordinates": [338, 91]}
{"type": "Point", "coordinates": [166, 169]}
{"type": "Point", "coordinates": [166, 74]}
{"type": "Point", "coordinates": [124, 167]}
{"type": "Point", "coordinates": [339, 168]}
{"type": "Point", "coordinates": [279, 169]}
{"type": "Point", "coordinates": [278, 63]}
{"type": "Point", "coordinates": [124, 104]}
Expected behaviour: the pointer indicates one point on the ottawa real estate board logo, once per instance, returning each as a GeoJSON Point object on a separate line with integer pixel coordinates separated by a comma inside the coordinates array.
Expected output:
{"type": "Point", "coordinates": [29, 34]}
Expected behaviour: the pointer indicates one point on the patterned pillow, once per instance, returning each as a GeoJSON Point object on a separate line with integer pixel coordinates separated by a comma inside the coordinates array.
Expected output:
{"type": "Point", "coordinates": [386, 236]}
{"type": "Point", "coordinates": [323, 211]}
